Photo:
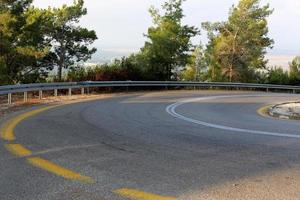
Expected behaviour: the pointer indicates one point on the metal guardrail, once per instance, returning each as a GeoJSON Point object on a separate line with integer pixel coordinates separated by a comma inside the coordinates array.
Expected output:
{"type": "Point", "coordinates": [25, 88]}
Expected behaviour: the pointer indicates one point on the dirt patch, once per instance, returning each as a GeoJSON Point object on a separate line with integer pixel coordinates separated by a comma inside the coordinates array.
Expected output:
{"type": "Point", "coordinates": [20, 105]}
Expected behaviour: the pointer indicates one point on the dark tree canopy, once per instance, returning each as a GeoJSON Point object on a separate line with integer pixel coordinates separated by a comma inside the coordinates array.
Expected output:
{"type": "Point", "coordinates": [22, 42]}
{"type": "Point", "coordinates": [238, 46]}
{"type": "Point", "coordinates": [169, 42]}
{"type": "Point", "coordinates": [70, 42]}
{"type": "Point", "coordinates": [295, 71]}
{"type": "Point", "coordinates": [33, 41]}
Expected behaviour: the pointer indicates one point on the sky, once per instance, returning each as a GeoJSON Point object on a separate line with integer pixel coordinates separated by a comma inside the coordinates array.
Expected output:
{"type": "Point", "coordinates": [120, 24]}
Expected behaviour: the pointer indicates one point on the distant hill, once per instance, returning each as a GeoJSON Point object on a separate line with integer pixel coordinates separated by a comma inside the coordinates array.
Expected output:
{"type": "Point", "coordinates": [280, 60]}
{"type": "Point", "coordinates": [107, 56]}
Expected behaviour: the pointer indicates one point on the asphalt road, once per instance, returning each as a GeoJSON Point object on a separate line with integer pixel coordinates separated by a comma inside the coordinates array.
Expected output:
{"type": "Point", "coordinates": [131, 147]}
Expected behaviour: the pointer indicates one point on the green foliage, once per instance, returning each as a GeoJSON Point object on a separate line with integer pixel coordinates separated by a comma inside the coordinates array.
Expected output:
{"type": "Point", "coordinates": [70, 42]}
{"type": "Point", "coordinates": [123, 69]}
{"type": "Point", "coordinates": [295, 71]}
{"type": "Point", "coordinates": [277, 76]}
{"type": "Point", "coordinates": [169, 42]}
{"type": "Point", "coordinates": [77, 73]}
{"type": "Point", "coordinates": [33, 41]}
{"type": "Point", "coordinates": [237, 47]}
{"type": "Point", "coordinates": [196, 69]}
{"type": "Point", "coordinates": [22, 43]}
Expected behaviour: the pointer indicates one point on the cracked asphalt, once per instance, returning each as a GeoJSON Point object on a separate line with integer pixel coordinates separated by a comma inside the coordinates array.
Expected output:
{"type": "Point", "coordinates": [133, 149]}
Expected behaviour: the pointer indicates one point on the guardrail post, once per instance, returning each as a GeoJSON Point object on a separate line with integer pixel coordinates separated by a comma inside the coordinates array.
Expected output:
{"type": "Point", "coordinates": [294, 91]}
{"type": "Point", "coordinates": [9, 98]}
{"type": "Point", "coordinates": [267, 89]}
{"type": "Point", "coordinates": [70, 92]}
{"type": "Point", "coordinates": [82, 91]}
{"type": "Point", "coordinates": [55, 92]}
{"type": "Point", "coordinates": [40, 94]}
{"type": "Point", "coordinates": [25, 97]}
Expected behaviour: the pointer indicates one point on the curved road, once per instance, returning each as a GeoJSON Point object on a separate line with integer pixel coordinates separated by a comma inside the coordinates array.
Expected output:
{"type": "Point", "coordinates": [137, 147]}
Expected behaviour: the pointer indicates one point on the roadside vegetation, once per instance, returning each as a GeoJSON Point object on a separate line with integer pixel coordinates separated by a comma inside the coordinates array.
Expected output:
{"type": "Point", "coordinates": [45, 45]}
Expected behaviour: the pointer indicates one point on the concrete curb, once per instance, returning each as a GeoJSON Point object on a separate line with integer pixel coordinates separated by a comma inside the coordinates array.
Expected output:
{"type": "Point", "coordinates": [284, 111]}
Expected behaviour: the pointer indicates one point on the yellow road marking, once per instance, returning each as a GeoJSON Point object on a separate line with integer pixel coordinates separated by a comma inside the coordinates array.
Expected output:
{"type": "Point", "coordinates": [18, 150]}
{"type": "Point", "coordinates": [264, 111]}
{"type": "Point", "coordinates": [58, 170]}
{"type": "Point", "coordinates": [7, 131]}
{"type": "Point", "coordinates": [140, 195]}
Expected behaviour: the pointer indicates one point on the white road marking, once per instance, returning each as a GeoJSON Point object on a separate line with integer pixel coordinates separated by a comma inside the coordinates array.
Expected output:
{"type": "Point", "coordinates": [171, 109]}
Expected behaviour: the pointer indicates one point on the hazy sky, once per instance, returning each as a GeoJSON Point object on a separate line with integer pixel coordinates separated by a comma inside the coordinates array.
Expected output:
{"type": "Point", "coordinates": [120, 24]}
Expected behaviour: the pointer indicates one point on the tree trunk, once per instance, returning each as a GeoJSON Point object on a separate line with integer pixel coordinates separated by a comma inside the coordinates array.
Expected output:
{"type": "Point", "coordinates": [230, 74]}
{"type": "Point", "coordinates": [213, 73]}
{"type": "Point", "coordinates": [61, 63]}
{"type": "Point", "coordinates": [169, 73]}
{"type": "Point", "coordinates": [59, 75]}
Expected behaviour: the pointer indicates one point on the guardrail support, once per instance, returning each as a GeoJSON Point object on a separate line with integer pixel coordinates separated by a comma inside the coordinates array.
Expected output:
{"type": "Point", "coordinates": [40, 94]}
{"type": "Point", "coordinates": [86, 87]}
{"type": "Point", "coordinates": [25, 97]}
{"type": "Point", "coordinates": [9, 99]}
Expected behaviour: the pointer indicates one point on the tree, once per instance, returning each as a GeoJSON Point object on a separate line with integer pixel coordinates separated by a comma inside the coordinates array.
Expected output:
{"type": "Point", "coordinates": [196, 69]}
{"type": "Point", "coordinates": [169, 42]}
{"type": "Point", "coordinates": [295, 71]}
{"type": "Point", "coordinates": [70, 42]}
{"type": "Point", "coordinates": [22, 43]}
{"type": "Point", "coordinates": [238, 46]}
{"type": "Point", "coordinates": [277, 76]}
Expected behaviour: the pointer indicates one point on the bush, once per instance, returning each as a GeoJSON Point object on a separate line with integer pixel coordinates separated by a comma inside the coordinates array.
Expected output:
{"type": "Point", "coordinates": [120, 70]}
{"type": "Point", "coordinates": [278, 76]}
{"type": "Point", "coordinates": [295, 71]}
